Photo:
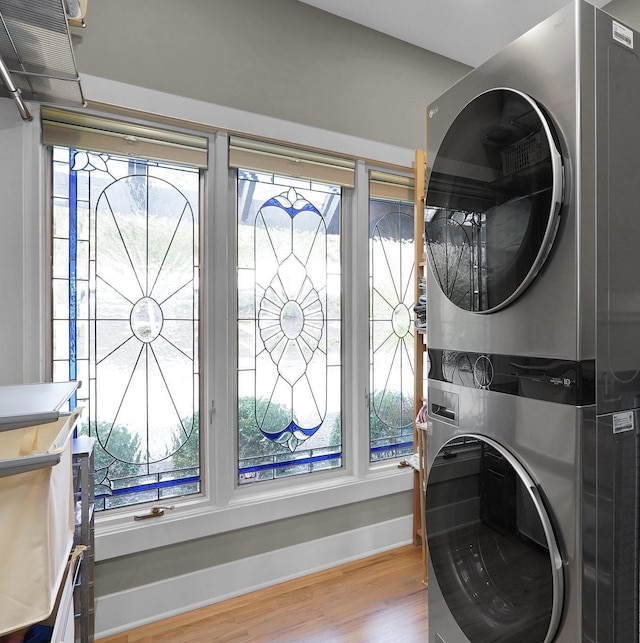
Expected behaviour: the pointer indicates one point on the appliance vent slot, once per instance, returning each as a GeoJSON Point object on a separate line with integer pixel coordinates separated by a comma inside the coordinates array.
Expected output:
{"type": "Point", "coordinates": [524, 154]}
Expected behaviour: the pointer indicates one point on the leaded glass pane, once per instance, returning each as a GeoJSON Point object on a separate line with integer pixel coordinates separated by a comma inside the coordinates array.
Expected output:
{"type": "Point", "coordinates": [391, 300]}
{"type": "Point", "coordinates": [60, 259]}
{"type": "Point", "coordinates": [83, 220]}
{"type": "Point", "coordinates": [82, 341]}
{"type": "Point", "coordinates": [289, 329]}
{"type": "Point", "coordinates": [60, 289]}
{"type": "Point", "coordinates": [126, 318]}
{"type": "Point", "coordinates": [60, 339]}
{"type": "Point", "coordinates": [60, 370]}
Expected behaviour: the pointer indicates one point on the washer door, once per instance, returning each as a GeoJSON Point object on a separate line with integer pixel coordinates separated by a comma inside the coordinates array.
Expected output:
{"type": "Point", "coordinates": [491, 544]}
{"type": "Point", "coordinates": [493, 200]}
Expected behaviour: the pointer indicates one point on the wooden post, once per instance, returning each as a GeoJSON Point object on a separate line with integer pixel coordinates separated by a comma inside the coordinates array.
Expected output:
{"type": "Point", "coordinates": [418, 439]}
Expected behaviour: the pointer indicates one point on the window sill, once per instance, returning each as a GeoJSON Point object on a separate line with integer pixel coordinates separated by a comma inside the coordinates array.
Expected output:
{"type": "Point", "coordinates": [120, 535]}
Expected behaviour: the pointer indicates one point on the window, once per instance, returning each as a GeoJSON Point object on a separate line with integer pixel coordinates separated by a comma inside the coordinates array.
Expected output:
{"type": "Point", "coordinates": [391, 297]}
{"type": "Point", "coordinates": [132, 270]}
{"type": "Point", "coordinates": [289, 326]}
{"type": "Point", "coordinates": [125, 304]}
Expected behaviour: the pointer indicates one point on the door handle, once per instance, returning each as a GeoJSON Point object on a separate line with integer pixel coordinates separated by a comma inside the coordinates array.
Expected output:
{"type": "Point", "coordinates": [443, 411]}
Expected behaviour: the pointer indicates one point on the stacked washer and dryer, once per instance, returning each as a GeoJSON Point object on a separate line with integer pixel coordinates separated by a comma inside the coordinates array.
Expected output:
{"type": "Point", "coordinates": [533, 239]}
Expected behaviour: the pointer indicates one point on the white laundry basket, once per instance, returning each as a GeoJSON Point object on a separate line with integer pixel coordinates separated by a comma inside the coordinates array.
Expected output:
{"type": "Point", "coordinates": [36, 519]}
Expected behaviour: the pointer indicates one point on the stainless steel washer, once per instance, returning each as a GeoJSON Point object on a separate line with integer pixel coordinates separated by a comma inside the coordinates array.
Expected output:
{"type": "Point", "coordinates": [504, 535]}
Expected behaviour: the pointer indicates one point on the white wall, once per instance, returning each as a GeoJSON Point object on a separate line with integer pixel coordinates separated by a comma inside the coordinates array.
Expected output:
{"type": "Point", "coordinates": [21, 249]}
{"type": "Point", "coordinates": [279, 58]}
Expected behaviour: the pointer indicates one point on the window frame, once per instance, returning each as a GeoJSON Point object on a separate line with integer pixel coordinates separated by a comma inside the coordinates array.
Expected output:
{"type": "Point", "coordinates": [395, 186]}
{"type": "Point", "coordinates": [84, 392]}
{"type": "Point", "coordinates": [279, 184]}
{"type": "Point", "coordinates": [224, 505]}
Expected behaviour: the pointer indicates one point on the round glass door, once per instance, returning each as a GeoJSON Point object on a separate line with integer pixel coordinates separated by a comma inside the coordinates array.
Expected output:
{"type": "Point", "coordinates": [493, 201]}
{"type": "Point", "coordinates": [491, 545]}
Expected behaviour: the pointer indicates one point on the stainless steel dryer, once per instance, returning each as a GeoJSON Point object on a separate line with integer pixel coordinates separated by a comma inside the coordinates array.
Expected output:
{"type": "Point", "coordinates": [501, 226]}
{"type": "Point", "coordinates": [533, 326]}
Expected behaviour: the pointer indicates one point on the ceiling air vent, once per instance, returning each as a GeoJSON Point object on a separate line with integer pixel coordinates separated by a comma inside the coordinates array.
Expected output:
{"type": "Point", "coordinates": [36, 56]}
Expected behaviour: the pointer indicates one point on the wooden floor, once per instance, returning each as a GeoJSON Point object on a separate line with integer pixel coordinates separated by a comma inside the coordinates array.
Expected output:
{"type": "Point", "coordinates": [373, 600]}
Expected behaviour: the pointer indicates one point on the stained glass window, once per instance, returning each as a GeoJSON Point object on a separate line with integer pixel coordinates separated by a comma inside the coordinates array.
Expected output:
{"type": "Point", "coordinates": [289, 327]}
{"type": "Point", "coordinates": [125, 286]}
{"type": "Point", "coordinates": [391, 297]}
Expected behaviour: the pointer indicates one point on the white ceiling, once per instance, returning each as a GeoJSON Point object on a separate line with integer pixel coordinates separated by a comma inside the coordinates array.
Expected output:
{"type": "Point", "coordinates": [469, 31]}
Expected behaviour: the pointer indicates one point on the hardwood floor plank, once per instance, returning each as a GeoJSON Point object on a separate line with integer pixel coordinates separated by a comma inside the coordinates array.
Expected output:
{"type": "Point", "coordinates": [380, 599]}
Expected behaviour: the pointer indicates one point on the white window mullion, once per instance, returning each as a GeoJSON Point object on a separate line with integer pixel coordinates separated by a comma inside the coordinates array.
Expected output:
{"type": "Point", "coordinates": [358, 291]}
{"type": "Point", "coordinates": [221, 336]}
{"type": "Point", "coordinates": [35, 250]}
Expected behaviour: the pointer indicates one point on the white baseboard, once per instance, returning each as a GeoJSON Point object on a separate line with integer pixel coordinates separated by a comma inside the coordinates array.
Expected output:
{"type": "Point", "coordinates": [146, 604]}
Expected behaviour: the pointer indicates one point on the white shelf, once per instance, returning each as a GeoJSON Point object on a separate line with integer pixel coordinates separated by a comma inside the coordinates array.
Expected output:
{"type": "Point", "coordinates": [29, 404]}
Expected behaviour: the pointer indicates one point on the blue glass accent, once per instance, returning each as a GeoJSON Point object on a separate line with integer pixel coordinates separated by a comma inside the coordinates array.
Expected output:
{"type": "Point", "coordinates": [294, 427]}
{"type": "Point", "coordinates": [291, 211]}
{"type": "Point", "coordinates": [125, 491]}
{"type": "Point", "coordinates": [392, 447]}
{"type": "Point", "coordinates": [290, 429]}
{"type": "Point", "coordinates": [73, 252]}
{"type": "Point", "coordinates": [289, 463]}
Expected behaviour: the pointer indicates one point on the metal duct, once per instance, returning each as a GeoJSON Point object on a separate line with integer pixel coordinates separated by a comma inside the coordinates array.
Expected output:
{"type": "Point", "coordinates": [13, 91]}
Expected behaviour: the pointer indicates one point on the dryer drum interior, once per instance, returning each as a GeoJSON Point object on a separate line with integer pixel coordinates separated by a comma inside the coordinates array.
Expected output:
{"type": "Point", "coordinates": [491, 544]}
{"type": "Point", "coordinates": [493, 200]}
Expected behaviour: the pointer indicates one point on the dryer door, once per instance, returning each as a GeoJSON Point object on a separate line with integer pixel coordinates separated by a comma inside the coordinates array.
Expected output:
{"type": "Point", "coordinates": [492, 549]}
{"type": "Point", "coordinates": [493, 200]}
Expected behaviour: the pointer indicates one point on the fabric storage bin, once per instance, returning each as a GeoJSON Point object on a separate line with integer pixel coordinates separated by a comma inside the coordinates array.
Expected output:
{"type": "Point", "coordinates": [36, 519]}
